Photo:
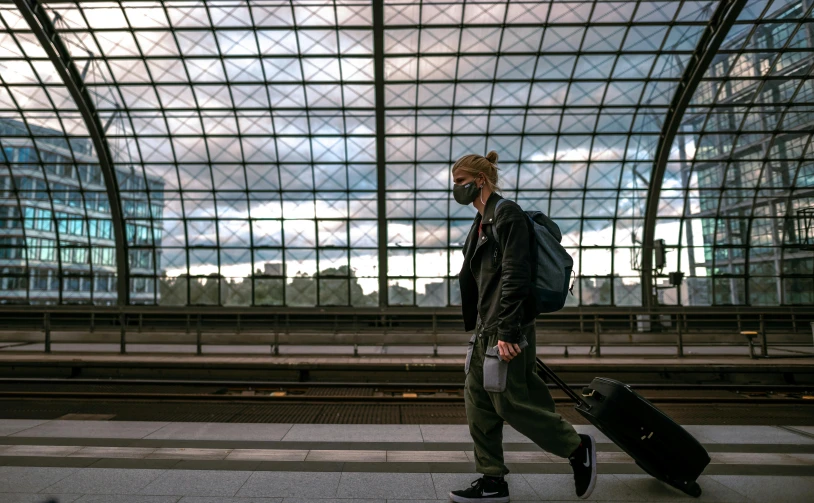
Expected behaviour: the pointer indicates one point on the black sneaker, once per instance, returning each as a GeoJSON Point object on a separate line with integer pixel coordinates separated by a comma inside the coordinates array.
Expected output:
{"type": "Point", "coordinates": [583, 462]}
{"type": "Point", "coordinates": [483, 490]}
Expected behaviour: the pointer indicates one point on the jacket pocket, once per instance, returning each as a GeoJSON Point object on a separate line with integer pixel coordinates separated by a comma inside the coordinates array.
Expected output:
{"type": "Point", "coordinates": [469, 353]}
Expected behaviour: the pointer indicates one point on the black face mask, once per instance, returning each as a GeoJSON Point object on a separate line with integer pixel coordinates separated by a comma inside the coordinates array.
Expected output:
{"type": "Point", "coordinates": [465, 194]}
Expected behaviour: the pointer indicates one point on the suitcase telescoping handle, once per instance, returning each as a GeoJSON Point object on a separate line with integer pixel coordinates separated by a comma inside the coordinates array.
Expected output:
{"type": "Point", "coordinates": [542, 367]}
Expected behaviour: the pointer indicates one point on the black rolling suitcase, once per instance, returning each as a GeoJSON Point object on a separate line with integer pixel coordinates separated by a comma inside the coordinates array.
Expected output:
{"type": "Point", "coordinates": [659, 445]}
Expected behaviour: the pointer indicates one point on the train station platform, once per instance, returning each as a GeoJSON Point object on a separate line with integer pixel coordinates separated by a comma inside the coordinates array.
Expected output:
{"type": "Point", "coordinates": [157, 462]}
{"type": "Point", "coordinates": [175, 423]}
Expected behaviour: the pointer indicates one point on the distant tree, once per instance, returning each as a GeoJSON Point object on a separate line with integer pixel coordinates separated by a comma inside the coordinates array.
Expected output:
{"type": "Point", "coordinates": [301, 291]}
{"type": "Point", "coordinates": [173, 291]}
{"type": "Point", "coordinates": [204, 291]}
{"type": "Point", "coordinates": [236, 291]}
{"type": "Point", "coordinates": [398, 295]}
{"type": "Point", "coordinates": [335, 285]}
{"type": "Point", "coordinates": [268, 291]}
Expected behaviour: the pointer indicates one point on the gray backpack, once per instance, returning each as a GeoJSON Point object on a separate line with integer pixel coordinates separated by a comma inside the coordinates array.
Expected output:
{"type": "Point", "coordinates": [552, 266]}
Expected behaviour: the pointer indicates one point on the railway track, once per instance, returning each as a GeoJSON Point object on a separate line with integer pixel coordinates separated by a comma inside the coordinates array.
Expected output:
{"type": "Point", "coordinates": [363, 393]}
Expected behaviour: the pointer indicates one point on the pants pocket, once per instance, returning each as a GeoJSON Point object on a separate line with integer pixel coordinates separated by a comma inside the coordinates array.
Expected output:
{"type": "Point", "coordinates": [469, 353]}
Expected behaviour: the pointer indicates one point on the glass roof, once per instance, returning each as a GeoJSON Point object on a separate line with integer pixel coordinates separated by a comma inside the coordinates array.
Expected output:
{"type": "Point", "coordinates": [244, 141]}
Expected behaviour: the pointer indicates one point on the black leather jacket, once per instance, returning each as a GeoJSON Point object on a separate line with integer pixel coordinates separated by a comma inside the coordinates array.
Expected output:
{"type": "Point", "coordinates": [495, 278]}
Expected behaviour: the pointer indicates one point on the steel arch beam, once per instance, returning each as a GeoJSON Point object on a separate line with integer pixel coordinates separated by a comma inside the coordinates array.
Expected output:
{"type": "Point", "coordinates": [381, 173]}
{"type": "Point", "coordinates": [42, 26]}
{"type": "Point", "coordinates": [719, 25]}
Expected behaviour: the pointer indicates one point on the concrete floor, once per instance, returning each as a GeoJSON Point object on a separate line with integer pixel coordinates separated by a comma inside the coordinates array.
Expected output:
{"type": "Point", "coordinates": [158, 462]}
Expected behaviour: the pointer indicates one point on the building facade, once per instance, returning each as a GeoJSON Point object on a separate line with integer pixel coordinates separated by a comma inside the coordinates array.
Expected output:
{"type": "Point", "coordinates": [56, 234]}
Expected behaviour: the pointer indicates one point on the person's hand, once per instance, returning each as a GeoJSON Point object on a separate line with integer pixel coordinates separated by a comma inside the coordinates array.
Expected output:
{"type": "Point", "coordinates": [507, 350]}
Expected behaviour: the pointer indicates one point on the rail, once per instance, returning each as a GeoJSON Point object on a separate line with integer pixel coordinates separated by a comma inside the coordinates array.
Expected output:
{"type": "Point", "coordinates": [23, 327]}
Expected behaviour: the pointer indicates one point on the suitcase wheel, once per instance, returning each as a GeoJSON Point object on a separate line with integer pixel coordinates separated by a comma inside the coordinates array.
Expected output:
{"type": "Point", "coordinates": [689, 488]}
{"type": "Point", "coordinates": [693, 489]}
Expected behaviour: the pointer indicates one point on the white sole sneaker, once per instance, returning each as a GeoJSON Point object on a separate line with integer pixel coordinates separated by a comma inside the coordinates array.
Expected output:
{"type": "Point", "coordinates": [461, 499]}
{"type": "Point", "coordinates": [592, 483]}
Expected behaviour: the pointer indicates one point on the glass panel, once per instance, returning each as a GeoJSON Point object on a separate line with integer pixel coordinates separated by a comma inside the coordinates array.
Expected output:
{"type": "Point", "coordinates": [527, 80]}
{"type": "Point", "coordinates": [227, 123]}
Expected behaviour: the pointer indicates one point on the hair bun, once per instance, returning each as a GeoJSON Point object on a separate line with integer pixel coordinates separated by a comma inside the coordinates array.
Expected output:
{"type": "Point", "coordinates": [492, 157]}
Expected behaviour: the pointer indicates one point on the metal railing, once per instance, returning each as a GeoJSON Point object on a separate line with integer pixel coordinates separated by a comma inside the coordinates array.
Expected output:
{"type": "Point", "coordinates": [23, 327]}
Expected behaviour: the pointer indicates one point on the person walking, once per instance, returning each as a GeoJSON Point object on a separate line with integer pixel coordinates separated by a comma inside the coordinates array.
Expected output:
{"type": "Point", "coordinates": [501, 381]}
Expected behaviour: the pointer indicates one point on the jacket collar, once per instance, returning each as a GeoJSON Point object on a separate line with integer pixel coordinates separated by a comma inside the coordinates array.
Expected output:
{"type": "Point", "coordinates": [487, 219]}
{"type": "Point", "coordinates": [489, 210]}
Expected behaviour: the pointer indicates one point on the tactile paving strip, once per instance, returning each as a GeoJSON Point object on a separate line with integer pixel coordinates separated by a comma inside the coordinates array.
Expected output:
{"type": "Point", "coordinates": [360, 414]}
{"type": "Point", "coordinates": [68, 387]}
{"type": "Point", "coordinates": [339, 413]}
{"type": "Point", "coordinates": [331, 391]}
{"type": "Point", "coordinates": [432, 414]}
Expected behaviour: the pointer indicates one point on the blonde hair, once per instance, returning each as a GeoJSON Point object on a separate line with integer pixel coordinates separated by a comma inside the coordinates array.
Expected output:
{"type": "Point", "coordinates": [475, 164]}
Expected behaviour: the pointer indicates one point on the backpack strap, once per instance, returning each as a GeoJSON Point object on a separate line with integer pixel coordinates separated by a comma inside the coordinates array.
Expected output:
{"type": "Point", "coordinates": [494, 227]}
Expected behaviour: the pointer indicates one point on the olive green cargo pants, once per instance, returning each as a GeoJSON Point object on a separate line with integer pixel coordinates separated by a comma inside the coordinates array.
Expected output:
{"type": "Point", "coordinates": [526, 405]}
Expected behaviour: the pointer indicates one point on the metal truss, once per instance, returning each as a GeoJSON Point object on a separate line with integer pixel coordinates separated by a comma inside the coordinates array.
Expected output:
{"type": "Point", "coordinates": [719, 25]}
{"type": "Point", "coordinates": [381, 164]}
